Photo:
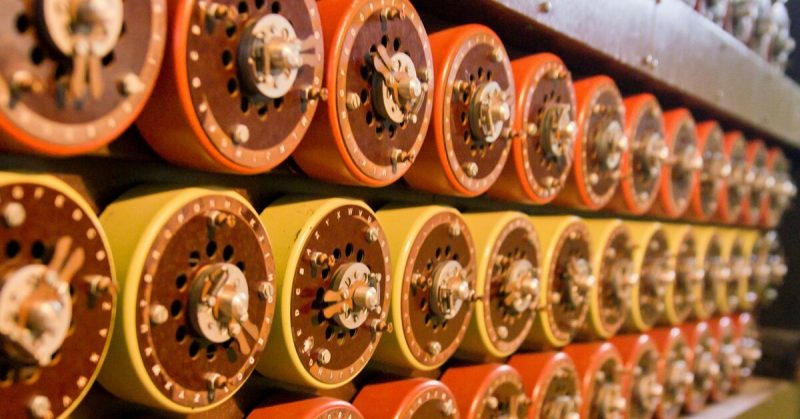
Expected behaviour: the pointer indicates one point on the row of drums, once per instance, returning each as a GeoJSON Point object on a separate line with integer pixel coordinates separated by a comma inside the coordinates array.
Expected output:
{"type": "Point", "coordinates": [241, 82]}
{"type": "Point", "coordinates": [174, 296]}
{"type": "Point", "coordinates": [665, 372]}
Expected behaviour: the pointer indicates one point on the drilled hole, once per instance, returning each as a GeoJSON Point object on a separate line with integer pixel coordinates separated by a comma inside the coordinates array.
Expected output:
{"type": "Point", "coordinates": [348, 249]}
{"type": "Point", "coordinates": [211, 248]}
{"type": "Point", "coordinates": [194, 349]}
{"type": "Point", "coordinates": [12, 249]}
{"type": "Point", "coordinates": [385, 41]}
{"type": "Point", "coordinates": [396, 44]}
{"type": "Point", "coordinates": [278, 103]}
{"type": "Point", "coordinates": [242, 7]}
{"type": "Point", "coordinates": [240, 265]}
{"type": "Point", "coordinates": [23, 23]}
{"type": "Point", "coordinates": [180, 282]}
{"type": "Point", "coordinates": [360, 255]}
{"type": "Point", "coordinates": [211, 352]}
{"type": "Point", "coordinates": [245, 105]}
{"type": "Point", "coordinates": [227, 58]}
{"type": "Point", "coordinates": [276, 7]}
{"type": "Point", "coordinates": [369, 118]}
{"type": "Point", "coordinates": [108, 59]}
{"type": "Point", "coordinates": [176, 308]}
{"type": "Point", "coordinates": [37, 250]}
{"type": "Point", "coordinates": [37, 55]}
{"type": "Point", "coordinates": [180, 334]}
{"type": "Point", "coordinates": [260, 3]}
{"type": "Point", "coordinates": [227, 252]}
{"type": "Point", "coordinates": [194, 258]}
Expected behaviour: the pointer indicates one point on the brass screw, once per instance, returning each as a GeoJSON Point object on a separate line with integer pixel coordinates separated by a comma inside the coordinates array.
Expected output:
{"type": "Point", "coordinates": [353, 101]}
{"type": "Point", "coordinates": [14, 214]}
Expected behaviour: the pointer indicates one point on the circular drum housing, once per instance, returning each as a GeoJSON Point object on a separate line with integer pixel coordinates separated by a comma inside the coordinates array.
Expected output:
{"type": "Point", "coordinates": [551, 382]}
{"type": "Point", "coordinates": [76, 73]}
{"type": "Point", "coordinates": [57, 296]}
{"type": "Point", "coordinates": [769, 267]}
{"type": "Point", "coordinates": [473, 114]}
{"type": "Point", "coordinates": [434, 266]}
{"type": "Point", "coordinates": [734, 270]}
{"type": "Point", "coordinates": [508, 281]}
{"type": "Point", "coordinates": [674, 370]}
{"type": "Point", "coordinates": [714, 271]}
{"type": "Point", "coordinates": [599, 146]}
{"type": "Point", "coordinates": [488, 391]}
{"type": "Point", "coordinates": [240, 83]}
{"type": "Point", "coordinates": [641, 385]}
{"type": "Point", "coordinates": [714, 173]}
{"type": "Point", "coordinates": [333, 290]}
{"type": "Point", "coordinates": [736, 190]}
{"type": "Point", "coordinates": [541, 158]}
{"type": "Point", "coordinates": [679, 176]}
{"type": "Point", "coordinates": [704, 365]}
{"type": "Point", "coordinates": [379, 75]}
{"type": "Point", "coordinates": [616, 274]}
{"type": "Point", "coordinates": [748, 344]}
{"type": "Point", "coordinates": [310, 408]}
{"type": "Point", "coordinates": [729, 357]}
{"type": "Point", "coordinates": [640, 169]}
{"type": "Point", "coordinates": [782, 191]}
{"type": "Point", "coordinates": [567, 278]}
{"type": "Point", "coordinates": [757, 156]}
{"type": "Point", "coordinates": [411, 398]}
{"type": "Point", "coordinates": [193, 265]}
{"type": "Point", "coordinates": [655, 268]}
{"type": "Point", "coordinates": [600, 369]}
{"type": "Point", "coordinates": [688, 288]}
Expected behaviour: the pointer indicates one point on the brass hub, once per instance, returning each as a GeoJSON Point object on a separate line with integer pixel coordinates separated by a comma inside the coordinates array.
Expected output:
{"type": "Point", "coordinates": [647, 391]}
{"type": "Point", "coordinates": [608, 401]}
{"type": "Point", "coordinates": [397, 90]}
{"type": "Point", "coordinates": [270, 56]}
{"type": "Point", "coordinates": [488, 112]}
{"type": "Point", "coordinates": [450, 289]}
{"type": "Point", "coordinates": [521, 287]}
{"type": "Point", "coordinates": [218, 302]}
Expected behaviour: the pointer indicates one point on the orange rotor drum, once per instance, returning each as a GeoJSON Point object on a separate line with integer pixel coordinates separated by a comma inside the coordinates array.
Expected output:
{"type": "Point", "coordinates": [729, 358]}
{"type": "Point", "coordinates": [781, 192]}
{"type": "Point", "coordinates": [541, 158]}
{"type": "Point", "coordinates": [488, 390]}
{"type": "Point", "coordinates": [221, 104]}
{"type": "Point", "coordinates": [473, 112]}
{"type": "Point", "coordinates": [716, 169]}
{"type": "Point", "coordinates": [59, 101]}
{"type": "Point", "coordinates": [548, 377]}
{"type": "Point", "coordinates": [312, 408]}
{"type": "Point", "coordinates": [704, 365]}
{"type": "Point", "coordinates": [679, 176]}
{"type": "Point", "coordinates": [599, 147]}
{"type": "Point", "coordinates": [736, 190]}
{"type": "Point", "coordinates": [640, 169]}
{"type": "Point", "coordinates": [379, 75]}
{"type": "Point", "coordinates": [415, 397]}
{"type": "Point", "coordinates": [641, 385]}
{"type": "Point", "coordinates": [674, 370]}
{"type": "Point", "coordinates": [599, 367]}
{"type": "Point", "coordinates": [756, 158]}
{"type": "Point", "coordinates": [748, 344]}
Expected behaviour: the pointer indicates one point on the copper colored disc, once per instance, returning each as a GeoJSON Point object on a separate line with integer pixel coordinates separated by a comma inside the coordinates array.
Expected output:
{"type": "Point", "coordinates": [687, 264]}
{"type": "Point", "coordinates": [490, 390]}
{"type": "Point", "coordinates": [739, 270]}
{"type": "Point", "coordinates": [769, 268]}
{"type": "Point", "coordinates": [551, 382]}
{"type": "Point", "coordinates": [366, 134]}
{"type": "Point", "coordinates": [507, 327]}
{"type": "Point", "coordinates": [599, 144]}
{"type": "Point", "coordinates": [641, 166]}
{"type": "Point", "coordinates": [614, 278]}
{"type": "Point", "coordinates": [222, 102]}
{"type": "Point", "coordinates": [564, 315]}
{"type": "Point", "coordinates": [599, 366]}
{"type": "Point", "coordinates": [757, 161]}
{"type": "Point", "coordinates": [680, 174]}
{"type": "Point", "coordinates": [412, 398]}
{"type": "Point", "coordinates": [341, 235]}
{"type": "Point", "coordinates": [313, 408]}
{"type": "Point", "coordinates": [716, 168]}
{"type": "Point", "coordinates": [712, 265]}
{"type": "Point", "coordinates": [675, 371]}
{"type": "Point", "coordinates": [704, 365]}
{"type": "Point", "coordinates": [640, 382]}
{"type": "Point", "coordinates": [210, 230]}
{"type": "Point", "coordinates": [728, 357]}
{"type": "Point", "coordinates": [545, 123]}
{"type": "Point", "coordinates": [736, 190]}
{"type": "Point", "coordinates": [781, 193]}
{"type": "Point", "coordinates": [473, 84]}
{"type": "Point", "coordinates": [432, 338]}
{"type": "Point", "coordinates": [748, 344]}
{"type": "Point", "coordinates": [57, 100]}
{"type": "Point", "coordinates": [652, 282]}
{"type": "Point", "coordinates": [43, 227]}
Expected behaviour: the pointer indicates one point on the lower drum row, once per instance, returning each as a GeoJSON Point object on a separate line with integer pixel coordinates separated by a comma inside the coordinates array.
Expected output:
{"type": "Point", "coordinates": [665, 372]}
{"type": "Point", "coordinates": [174, 296]}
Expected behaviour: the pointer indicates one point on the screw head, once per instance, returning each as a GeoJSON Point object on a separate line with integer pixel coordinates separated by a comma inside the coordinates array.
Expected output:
{"type": "Point", "coordinates": [240, 134]}
{"type": "Point", "coordinates": [372, 234]}
{"type": "Point", "coordinates": [434, 348]}
{"type": "Point", "coordinates": [158, 314]}
{"type": "Point", "coordinates": [323, 356]}
{"type": "Point", "coordinates": [40, 407]}
{"type": "Point", "coordinates": [14, 214]}
{"type": "Point", "coordinates": [471, 169]}
{"type": "Point", "coordinates": [266, 291]}
{"type": "Point", "coordinates": [130, 84]}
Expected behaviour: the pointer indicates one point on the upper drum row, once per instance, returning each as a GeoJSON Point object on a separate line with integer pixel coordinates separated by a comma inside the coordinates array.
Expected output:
{"type": "Point", "coordinates": [241, 82]}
